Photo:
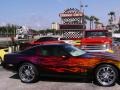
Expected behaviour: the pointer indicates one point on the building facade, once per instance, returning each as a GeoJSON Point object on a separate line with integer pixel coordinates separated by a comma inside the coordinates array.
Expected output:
{"type": "Point", "coordinates": [55, 26]}
{"type": "Point", "coordinates": [72, 23]}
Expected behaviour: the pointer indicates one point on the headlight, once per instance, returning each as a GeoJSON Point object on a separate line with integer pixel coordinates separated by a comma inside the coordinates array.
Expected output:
{"type": "Point", "coordinates": [106, 46]}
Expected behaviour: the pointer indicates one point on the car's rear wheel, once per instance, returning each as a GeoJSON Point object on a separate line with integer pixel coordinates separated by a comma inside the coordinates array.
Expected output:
{"type": "Point", "coordinates": [28, 73]}
{"type": "Point", "coordinates": [106, 75]}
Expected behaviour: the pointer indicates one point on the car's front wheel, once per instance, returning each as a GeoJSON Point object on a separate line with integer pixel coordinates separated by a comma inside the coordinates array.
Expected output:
{"type": "Point", "coordinates": [106, 75]}
{"type": "Point", "coordinates": [28, 73]}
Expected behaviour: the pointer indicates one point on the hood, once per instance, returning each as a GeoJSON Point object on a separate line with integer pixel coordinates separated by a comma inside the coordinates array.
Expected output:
{"type": "Point", "coordinates": [101, 55]}
{"type": "Point", "coordinates": [96, 40]}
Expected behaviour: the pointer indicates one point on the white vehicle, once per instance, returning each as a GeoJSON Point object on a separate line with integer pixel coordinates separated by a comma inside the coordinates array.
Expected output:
{"type": "Point", "coordinates": [22, 33]}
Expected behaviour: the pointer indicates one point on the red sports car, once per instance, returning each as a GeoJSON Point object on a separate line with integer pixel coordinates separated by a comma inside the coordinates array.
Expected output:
{"type": "Point", "coordinates": [64, 59]}
{"type": "Point", "coordinates": [41, 41]}
{"type": "Point", "coordinates": [45, 39]}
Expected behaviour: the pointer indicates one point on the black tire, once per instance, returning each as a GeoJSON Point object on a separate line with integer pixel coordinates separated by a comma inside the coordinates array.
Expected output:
{"type": "Point", "coordinates": [4, 65]}
{"type": "Point", "coordinates": [28, 73]}
{"type": "Point", "coordinates": [106, 75]}
{"type": "Point", "coordinates": [1, 61]}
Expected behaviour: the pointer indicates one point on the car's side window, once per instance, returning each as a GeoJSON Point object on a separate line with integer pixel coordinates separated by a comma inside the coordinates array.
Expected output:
{"type": "Point", "coordinates": [52, 51]}
{"type": "Point", "coordinates": [60, 52]}
{"type": "Point", "coordinates": [30, 51]}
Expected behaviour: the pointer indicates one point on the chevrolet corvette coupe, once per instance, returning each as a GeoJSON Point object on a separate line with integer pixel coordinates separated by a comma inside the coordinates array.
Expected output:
{"type": "Point", "coordinates": [64, 59]}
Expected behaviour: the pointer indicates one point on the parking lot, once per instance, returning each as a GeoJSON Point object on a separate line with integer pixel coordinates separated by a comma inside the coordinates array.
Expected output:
{"type": "Point", "coordinates": [10, 81]}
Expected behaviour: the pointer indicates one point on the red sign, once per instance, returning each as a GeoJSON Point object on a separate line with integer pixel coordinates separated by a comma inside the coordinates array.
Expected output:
{"type": "Point", "coordinates": [70, 14]}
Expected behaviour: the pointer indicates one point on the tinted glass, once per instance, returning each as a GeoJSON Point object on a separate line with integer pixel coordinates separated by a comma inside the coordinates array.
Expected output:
{"type": "Point", "coordinates": [52, 51]}
{"type": "Point", "coordinates": [31, 51]}
{"type": "Point", "coordinates": [96, 33]}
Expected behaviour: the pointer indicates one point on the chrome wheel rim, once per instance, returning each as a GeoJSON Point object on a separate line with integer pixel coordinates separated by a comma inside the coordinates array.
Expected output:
{"type": "Point", "coordinates": [106, 75]}
{"type": "Point", "coordinates": [26, 73]}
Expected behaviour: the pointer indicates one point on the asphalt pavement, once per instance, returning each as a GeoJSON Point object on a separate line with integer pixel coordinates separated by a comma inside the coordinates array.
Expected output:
{"type": "Point", "coordinates": [10, 81]}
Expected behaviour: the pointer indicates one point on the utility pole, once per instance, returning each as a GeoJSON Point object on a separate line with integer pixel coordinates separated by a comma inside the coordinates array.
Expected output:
{"type": "Point", "coordinates": [119, 25]}
{"type": "Point", "coordinates": [83, 10]}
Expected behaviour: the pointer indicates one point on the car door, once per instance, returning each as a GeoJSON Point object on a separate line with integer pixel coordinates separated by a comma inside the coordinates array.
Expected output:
{"type": "Point", "coordinates": [52, 59]}
{"type": "Point", "coordinates": [77, 65]}
{"type": "Point", "coordinates": [78, 61]}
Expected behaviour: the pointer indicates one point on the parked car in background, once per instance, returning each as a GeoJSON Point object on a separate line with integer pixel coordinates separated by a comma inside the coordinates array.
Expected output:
{"type": "Point", "coordinates": [41, 41]}
{"type": "Point", "coordinates": [97, 41]}
{"type": "Point", "coordinates": [2, 53]}
{"type": "Point", "coordinates": [45, 39]}
{"type": "Point", "coordinates": [116, 43]}
{"type": "Point", "coordinates": [49, 39]}
{"type": "Point", "coordinates": [67, 60]}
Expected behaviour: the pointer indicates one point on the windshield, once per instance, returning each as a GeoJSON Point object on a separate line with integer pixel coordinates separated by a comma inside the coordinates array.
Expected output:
{"type": "Point", "coordinates": [96, 33]}
{"type": "Point", "coordinates": [74, 51]}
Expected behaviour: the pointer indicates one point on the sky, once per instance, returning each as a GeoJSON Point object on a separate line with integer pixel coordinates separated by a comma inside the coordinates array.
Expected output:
{"type": "Point", "coordinates": [40, 14]}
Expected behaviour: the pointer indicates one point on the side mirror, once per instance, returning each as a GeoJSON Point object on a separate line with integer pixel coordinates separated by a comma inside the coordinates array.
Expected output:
{"type": "Point", "coordinates": [65, 57]}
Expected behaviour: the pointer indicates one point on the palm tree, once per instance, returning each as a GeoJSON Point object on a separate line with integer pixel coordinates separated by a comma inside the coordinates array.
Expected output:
{"type": "Point", "coordinates": [96, 21]}
{"type": "Point", "coordinates": [91, 22]}
{"type": "Point", "coordinates": [112, 15]}
{"type": "Point", "coordinates": [86, 18]}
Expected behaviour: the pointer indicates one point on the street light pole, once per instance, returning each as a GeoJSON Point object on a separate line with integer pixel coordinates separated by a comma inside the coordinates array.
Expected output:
{"type": "Point", "coordinates": [83, 10]}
